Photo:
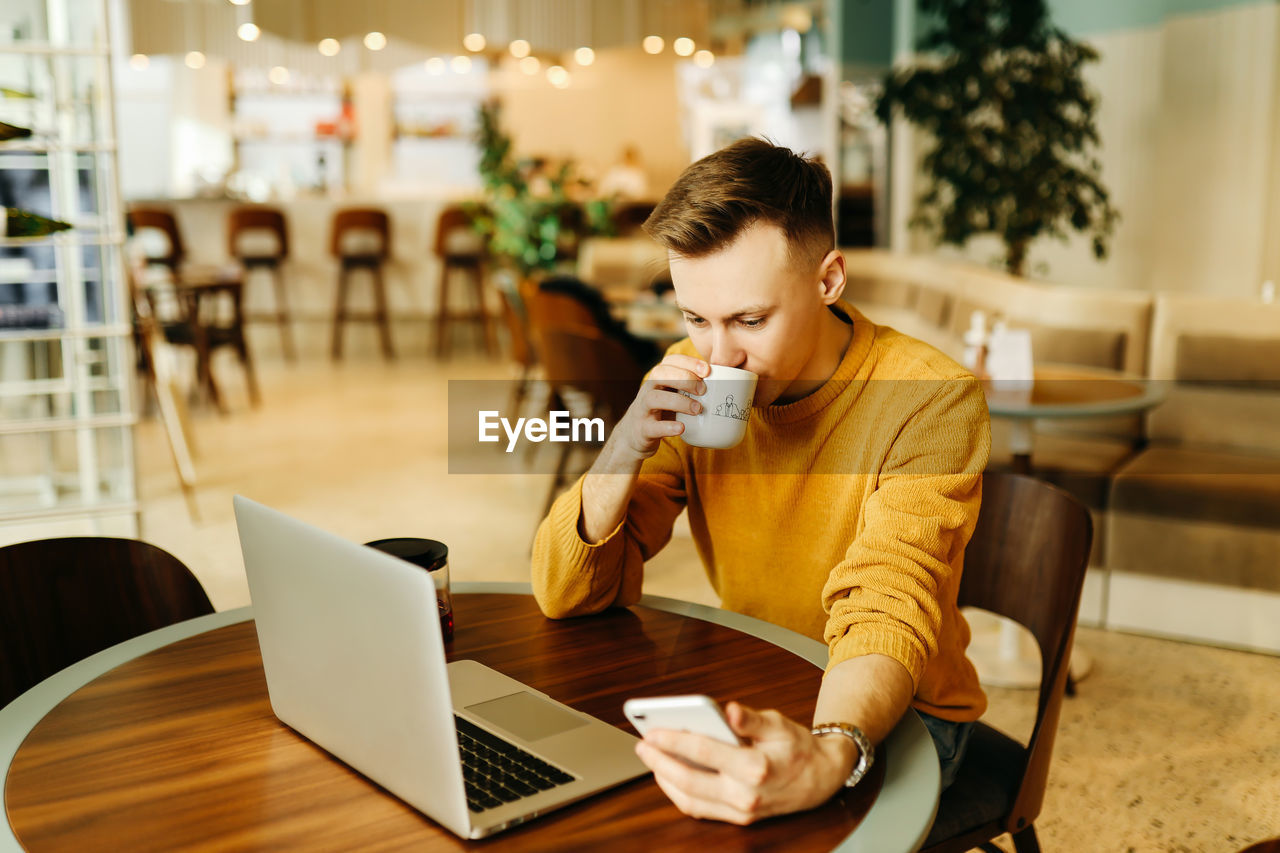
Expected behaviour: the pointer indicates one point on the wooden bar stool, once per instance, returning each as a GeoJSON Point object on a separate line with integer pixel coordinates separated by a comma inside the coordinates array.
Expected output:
{"type": "Point", "coordinates": [459, 254]}
{"type": "Point", "coordinates": [163, 221]}
{"type": "Point", "coordinates": [356, 251]}
{"type": "Point", "coordinates": [246, 229]}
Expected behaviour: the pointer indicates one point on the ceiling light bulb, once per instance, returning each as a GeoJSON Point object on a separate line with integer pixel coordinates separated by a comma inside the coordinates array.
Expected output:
{"type": "Point", "coordinates": [375, 40]}
{"type": "Point", "coordinates": [557, 76]}
{"type": "Point", "coordinates": [139, 62]}
{"type": "Point", "coordinates": [653, 44]}
{"type": "Point", "coordinates": [239, 2]}
{"type": "Point", "coordinates": [460, 64]}
{"type": "Point", "coordinates": [683, 46]}
{"type": "Point", "coordinates": [194, 59]}
{"type": "Point", "coordinates": [474, 42]}
{"type": "Point", "coordinates": [330, 47]}
{"type": "Point", "coordinates": [584, 56]}
{"type": "Point", "coordinates": [704, 58]}
{"type": "Point", "coordinates": [530, 65]}
{"type": "Point", "coordinates": [519, 48]}
{"type": "Point", "coordinates": [278, 75]}
{"type": "Point", "coordinates": [435, 65]}
{"type": "Point", "coordinates": [248, 31]}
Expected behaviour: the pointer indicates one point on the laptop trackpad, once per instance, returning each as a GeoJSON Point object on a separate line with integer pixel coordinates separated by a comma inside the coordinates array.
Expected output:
{"type": "Point", "coordinates": [526, 716]}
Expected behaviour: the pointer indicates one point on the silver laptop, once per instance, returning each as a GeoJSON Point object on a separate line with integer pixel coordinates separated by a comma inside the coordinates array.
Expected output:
{"type": "Point", "coordinates": [355, 662]}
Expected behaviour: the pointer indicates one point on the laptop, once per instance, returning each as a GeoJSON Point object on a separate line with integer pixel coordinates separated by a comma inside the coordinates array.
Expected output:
{"type": "Point", "coordinates": [355, 662]}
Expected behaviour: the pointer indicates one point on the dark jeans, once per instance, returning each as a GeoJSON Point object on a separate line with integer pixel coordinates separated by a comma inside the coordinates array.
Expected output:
{"type": "Point", "coordinates": [950, 739]}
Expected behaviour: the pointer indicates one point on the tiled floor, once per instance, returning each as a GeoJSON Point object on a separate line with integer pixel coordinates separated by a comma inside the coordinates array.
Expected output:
{"type": "Point", "coordinates": [1168, 747]}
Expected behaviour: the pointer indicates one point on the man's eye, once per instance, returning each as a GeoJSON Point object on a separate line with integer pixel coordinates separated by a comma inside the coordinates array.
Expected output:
{"type": "Point", "coordinates": [753, 322]}
{"type": "Point", "coordinates": [694, 321]}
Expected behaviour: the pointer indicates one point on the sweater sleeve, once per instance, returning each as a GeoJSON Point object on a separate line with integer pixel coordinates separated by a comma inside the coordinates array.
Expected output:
{"type": "Point", "coordinates": [884, 597]}
{"type": "Point", "coordinates": [572, 577]}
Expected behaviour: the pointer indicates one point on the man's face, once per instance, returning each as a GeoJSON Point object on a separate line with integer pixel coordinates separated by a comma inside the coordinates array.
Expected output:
{"type": "Point", "coordinates": [750, 306]}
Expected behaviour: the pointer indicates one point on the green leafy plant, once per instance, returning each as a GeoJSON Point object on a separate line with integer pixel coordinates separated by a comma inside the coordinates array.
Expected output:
{"type": "Point", "coordinates": [1003, 96]}
{"type": "Point", "coordinates": [528, 216]}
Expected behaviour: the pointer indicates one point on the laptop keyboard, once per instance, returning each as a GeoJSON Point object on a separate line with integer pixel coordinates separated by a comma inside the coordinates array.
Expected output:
{"type": "Point", "coordinates": [497, 771]}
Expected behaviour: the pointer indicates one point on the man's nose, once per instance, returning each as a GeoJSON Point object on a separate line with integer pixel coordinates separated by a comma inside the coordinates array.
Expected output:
{"type": "Point", "coordinates": [725, 350]}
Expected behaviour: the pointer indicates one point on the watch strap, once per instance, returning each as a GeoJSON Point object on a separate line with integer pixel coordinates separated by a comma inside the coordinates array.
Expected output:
{"type": "Point", "coordinates": [866, 752]}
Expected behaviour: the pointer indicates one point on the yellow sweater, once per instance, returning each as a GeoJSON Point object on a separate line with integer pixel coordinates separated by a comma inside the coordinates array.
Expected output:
{"type": "Point", "coordinates": [842, 516]}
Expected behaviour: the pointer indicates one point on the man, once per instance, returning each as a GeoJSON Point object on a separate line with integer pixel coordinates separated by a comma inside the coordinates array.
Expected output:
{"type": "Point", "coordinates": [843, 514]}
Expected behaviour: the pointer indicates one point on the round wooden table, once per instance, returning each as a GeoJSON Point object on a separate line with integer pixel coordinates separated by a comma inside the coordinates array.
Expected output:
{"type": "Point", "coordinates": [168, 740]}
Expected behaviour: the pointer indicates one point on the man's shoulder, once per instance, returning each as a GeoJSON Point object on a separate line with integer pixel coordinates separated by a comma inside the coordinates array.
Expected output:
{"type": "Point", "coordinates": [900, 356]}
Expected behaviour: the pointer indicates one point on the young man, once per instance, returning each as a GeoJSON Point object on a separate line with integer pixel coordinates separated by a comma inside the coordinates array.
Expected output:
{"type": "Point", "coordinates": [843, 514]}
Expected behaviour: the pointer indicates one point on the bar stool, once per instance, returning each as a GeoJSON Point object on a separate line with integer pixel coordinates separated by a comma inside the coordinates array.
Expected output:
{"type": "Point", "coordinates": [353, 250]}
{"type": "Point", "coordinates": [159, 219]}
{"type": "Point", "coordinates": [246, 229]}
{"type": "Point", "coordinates": [457, 254]}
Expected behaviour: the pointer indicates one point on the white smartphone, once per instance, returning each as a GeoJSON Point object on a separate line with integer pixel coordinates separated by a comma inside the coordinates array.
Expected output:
{"type": "Point", "coordinates": [695, 713]}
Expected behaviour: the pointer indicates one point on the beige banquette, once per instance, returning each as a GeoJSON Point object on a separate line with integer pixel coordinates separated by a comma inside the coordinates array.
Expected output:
{"type": "Point", "coordinates": [1186, 504]}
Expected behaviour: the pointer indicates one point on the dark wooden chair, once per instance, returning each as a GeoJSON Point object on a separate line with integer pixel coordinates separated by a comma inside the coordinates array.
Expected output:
{"type": "Point", "coordinates": [629, 216]}
{"type": "Point", "coordinates": [164, 222]}
{"type": "Point", "coordinates": [515, 317]}
{"type": "Point", "coordinates": [1026, 561]}
{"type": "Point", "coordinates": [581, 355]}
{"type": "Point", "coordinates": [198, 306]}
{"type": "Point", "coordinates": [262, 221]}
{"type": "Point", "coordinates": [457, 260]}
{"type": "Point", "coordinates": [62, 600]}
{"type": "Point", "coordinates": [376, 224]}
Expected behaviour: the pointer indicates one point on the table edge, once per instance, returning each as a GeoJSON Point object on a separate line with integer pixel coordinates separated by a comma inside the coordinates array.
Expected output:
{"type": "Point", "coordinates": [891, 821]}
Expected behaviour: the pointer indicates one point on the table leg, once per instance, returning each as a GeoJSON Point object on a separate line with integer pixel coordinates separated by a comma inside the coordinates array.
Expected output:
{"type": "Point", "coordinates": [1021, 443]}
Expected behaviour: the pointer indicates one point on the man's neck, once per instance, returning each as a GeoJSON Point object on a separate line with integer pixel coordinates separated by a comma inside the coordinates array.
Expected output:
{"type": "Point", "coordinates": [835, 335]}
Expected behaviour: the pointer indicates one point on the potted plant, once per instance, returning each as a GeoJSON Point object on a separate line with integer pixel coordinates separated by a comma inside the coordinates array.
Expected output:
{"type": "Point", "coordinates": [529, 217]}
{"type": "Point", "coordinates": [1003, 97]}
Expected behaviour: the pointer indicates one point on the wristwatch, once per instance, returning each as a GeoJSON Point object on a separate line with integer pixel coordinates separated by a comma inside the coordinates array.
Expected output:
{"type": "Point", "coordinates": [866, 752]}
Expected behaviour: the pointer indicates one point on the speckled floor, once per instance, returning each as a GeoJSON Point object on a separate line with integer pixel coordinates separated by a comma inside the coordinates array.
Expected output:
{"type": "Point", "coordinates": [1168, 747]}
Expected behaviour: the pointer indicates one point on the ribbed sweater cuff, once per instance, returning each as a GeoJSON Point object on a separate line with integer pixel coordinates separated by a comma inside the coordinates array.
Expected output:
{"type": "Point", "coordinates": [891, 645]}
{"type": "Point", "coordinates": [564, 516]}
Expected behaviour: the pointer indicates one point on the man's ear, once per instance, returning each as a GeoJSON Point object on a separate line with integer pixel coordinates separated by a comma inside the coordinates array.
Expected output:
{"type": "Point", "coordinates": [832, 277]}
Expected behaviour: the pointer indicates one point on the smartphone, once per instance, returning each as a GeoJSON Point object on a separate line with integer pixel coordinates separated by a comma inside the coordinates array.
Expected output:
{"type": "Point", "coordinates": [695, 713]}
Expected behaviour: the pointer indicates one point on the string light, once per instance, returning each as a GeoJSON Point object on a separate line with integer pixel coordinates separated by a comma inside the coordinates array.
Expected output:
{"type": "Point", "coordinates": [278, 75]}
{"type": "Point", "coordinates": [519, 48]}
{"type": "Point", "coordinates": [248, 31]}
{"type": "Point", "coordinates": [330, 47]}
{"type": "Point", "coordinates": [375, 40]}
{"type": "Point", "coordinates": [530, 65]}
{"type": "Point", "coordinates": [704, 59]}
{"type": "Point", "coordinates": [139, 62]}
{"type": "Point", "coordinates": [474, 42]}
{"type": "Point", "coordinates": [584, 56]}
{"type": "Point", "coordinates": [653, 44]}
{"type": "Point", "coordinates": [460, 64]}
{"type": "Point", "coordinates": [194, 59]}
{"type": "Point", "coordinates": [557, 76]}
{"type": "Point", "coordinates": [683, 46]}
{"type": "Point", "coordinates": [435, 65]}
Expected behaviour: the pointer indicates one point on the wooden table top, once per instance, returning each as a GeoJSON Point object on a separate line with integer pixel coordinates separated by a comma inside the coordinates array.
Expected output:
{"type": "Point", "coordinates": [178, 747]}
{"type": "Point", "coordinates": [1066, 391]}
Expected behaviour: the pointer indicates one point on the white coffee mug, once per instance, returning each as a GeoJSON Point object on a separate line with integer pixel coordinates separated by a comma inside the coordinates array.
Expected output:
{"type": "Point", "coordinates": [726, 407]}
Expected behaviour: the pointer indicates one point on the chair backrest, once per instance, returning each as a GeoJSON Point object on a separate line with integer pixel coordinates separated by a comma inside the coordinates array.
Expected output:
{"type": "Point", "coordinates": [244, 219]}
{"type": "Point", "coordinates": [1026, 561]}
{"type": "Point", "coordinates": [516, 317]}
{"type": "Point", "coordinates": [580, 351]}
{"type": "Point", "coordinates": [62, 600]}
{"type": "Point", "coordinates": [452, 220]}
{"type": "Point", "coordinates": [163, 221]}
{"type": "Point", "coordinates": [361, 219]}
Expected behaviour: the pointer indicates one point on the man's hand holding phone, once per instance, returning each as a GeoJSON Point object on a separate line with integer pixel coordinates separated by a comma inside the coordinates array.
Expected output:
{"type": "Point", "coordinates": [777, 766]}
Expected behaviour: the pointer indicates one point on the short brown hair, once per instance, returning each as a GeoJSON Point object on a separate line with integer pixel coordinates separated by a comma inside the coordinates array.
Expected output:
{"type": "Point", "coordinates": [750, 181]}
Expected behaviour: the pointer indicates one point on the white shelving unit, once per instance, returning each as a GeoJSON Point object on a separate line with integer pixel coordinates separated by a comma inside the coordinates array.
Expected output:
{"type": "Point", "coordinates": [66, 407]}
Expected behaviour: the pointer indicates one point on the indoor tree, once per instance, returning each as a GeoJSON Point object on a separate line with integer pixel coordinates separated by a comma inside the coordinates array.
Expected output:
{"type": "Point", "coordinates": [1001, 92]}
